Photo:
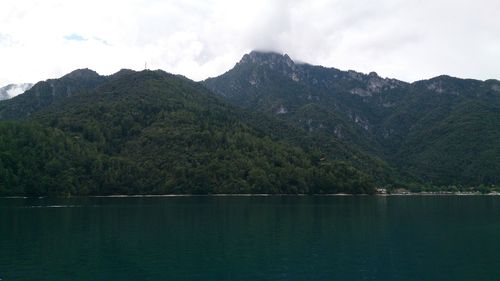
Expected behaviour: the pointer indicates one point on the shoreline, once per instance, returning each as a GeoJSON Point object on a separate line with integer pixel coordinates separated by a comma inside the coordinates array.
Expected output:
{"type": "Point", "coordinates": [269, 195]}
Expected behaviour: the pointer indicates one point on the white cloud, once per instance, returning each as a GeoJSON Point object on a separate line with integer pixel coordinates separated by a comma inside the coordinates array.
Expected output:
{"type": "Point", "coordinates": [406, 39]}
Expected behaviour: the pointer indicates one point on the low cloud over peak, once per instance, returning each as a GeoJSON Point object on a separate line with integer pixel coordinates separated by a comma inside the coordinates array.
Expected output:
{"type": "Point", "coordinates": [409, 40]}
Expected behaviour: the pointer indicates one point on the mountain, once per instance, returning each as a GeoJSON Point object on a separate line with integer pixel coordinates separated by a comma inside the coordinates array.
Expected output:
{"type": "Point", "coordinates": [269, 125]}
{"type": "Point", "coordinates": [440, 131]}
{"type": "Point", "coordinates": [300, 94]}
{"type": "Point", "coordinates": [321, 100]}
{"type": "Point", "coordinates": [13, 90]}
{"type": "Point", "coordinates": [151, 132]}
{"type": "Point", "coordinates": [44, 93]}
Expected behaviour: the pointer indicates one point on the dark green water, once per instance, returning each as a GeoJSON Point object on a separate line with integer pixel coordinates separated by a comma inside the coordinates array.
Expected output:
{"type": "Point", "coordinates": [251, 238]}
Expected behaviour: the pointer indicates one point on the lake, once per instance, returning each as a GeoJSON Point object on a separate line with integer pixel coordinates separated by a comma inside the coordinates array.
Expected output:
{"type": "Point", "coordinates": [251, 238]}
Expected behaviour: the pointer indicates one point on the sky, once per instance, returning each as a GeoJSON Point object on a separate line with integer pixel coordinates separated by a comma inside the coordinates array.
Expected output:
{"type": "Point", "coordinates": [409, 40]}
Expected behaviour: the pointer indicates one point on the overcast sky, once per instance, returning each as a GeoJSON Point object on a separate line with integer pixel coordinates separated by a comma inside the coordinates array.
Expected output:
{"type": "Point", "coordinates": [409, 40]}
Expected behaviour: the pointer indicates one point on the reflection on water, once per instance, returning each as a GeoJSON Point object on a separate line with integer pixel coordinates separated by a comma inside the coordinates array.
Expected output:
{"type": "Point", "coordinates": [251, 238]}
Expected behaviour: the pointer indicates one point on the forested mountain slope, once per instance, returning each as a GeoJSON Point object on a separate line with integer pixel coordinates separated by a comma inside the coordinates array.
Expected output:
{"type": "Point", "coordinates": [439, 131]}
{"type": "Point", "coordinates": [151, 132]}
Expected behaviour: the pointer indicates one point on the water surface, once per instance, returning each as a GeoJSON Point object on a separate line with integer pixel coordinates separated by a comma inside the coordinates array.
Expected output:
{"type": "Point", "coordinates": [251, 238]}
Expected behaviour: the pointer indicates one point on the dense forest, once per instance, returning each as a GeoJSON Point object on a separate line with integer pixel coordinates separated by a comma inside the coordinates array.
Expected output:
{"type": "Point", "coordinates": [438, 132]}
{"type": "Point", "coordinates": [156, 133]}
{"type": "Point", "coordinates": [269, 125]}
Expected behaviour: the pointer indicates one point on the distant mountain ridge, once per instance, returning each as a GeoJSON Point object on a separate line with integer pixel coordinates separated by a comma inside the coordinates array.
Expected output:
{"type": "Point", "coordinates": [44, 93]}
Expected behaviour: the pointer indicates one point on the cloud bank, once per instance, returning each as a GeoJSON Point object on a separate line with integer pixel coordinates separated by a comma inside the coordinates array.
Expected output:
{"type": "Point", "coordinates": [404, 39]}
{"type": "Point", "coordinates": [13, 90]}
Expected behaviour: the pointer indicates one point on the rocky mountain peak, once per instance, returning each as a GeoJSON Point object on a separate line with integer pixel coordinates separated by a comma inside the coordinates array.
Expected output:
{"type": "Point", "coordinates": [263, 63]}
{"type": "Point", "coordinates": [84, 73]}
{"type": "Point", "coordinates": [267, 58]}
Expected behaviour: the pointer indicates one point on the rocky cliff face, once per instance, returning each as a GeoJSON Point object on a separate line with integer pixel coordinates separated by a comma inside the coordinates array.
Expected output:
{"type": "Point", "coordinates": [390, 118]}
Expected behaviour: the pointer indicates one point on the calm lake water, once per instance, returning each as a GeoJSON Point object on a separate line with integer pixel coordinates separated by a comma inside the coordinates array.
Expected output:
{"type": "Point", "coordinates": [251, 238]}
